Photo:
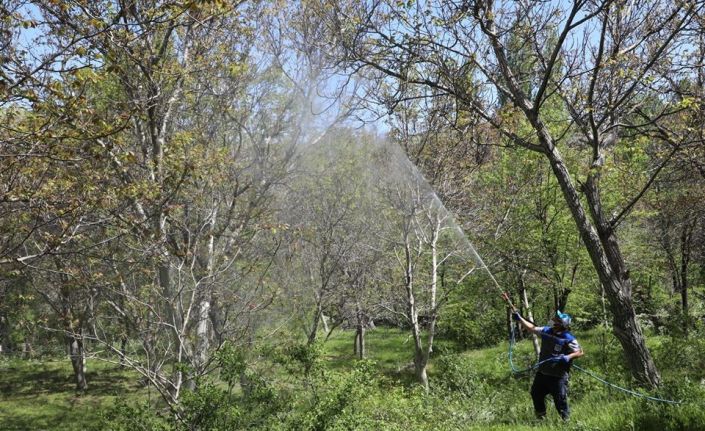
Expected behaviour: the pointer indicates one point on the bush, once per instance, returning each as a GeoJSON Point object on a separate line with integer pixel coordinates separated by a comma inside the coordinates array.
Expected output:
{"type": "Point", "coordinates": [210, 408]}
{"type": "Point", "coordinates": [455, 373]}
{"type": "Point", "coordinates": [689, 359]}
{"type": "Point", "coordinates": [689, 416]}
{"type": "Point", "coordinates": [443, 347]}
{"type": "Point", "coordinates": [308, 356]}
{"type": "Point", "coordinates": [335, 402]}
{"type": "Point", "coordinates": [132, 417]}
{"type": "Point", "coordinates": [460, 323]}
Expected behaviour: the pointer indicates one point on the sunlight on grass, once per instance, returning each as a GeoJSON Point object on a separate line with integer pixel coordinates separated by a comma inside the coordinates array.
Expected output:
{"type": "Point", "coordinates": [392, 349]}
{"type": "Point", "coordinates": [36, 395]}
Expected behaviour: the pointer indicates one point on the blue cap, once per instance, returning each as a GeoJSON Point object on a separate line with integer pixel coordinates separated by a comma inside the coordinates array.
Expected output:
{"type": "Point", "coordinates": [563, 318]}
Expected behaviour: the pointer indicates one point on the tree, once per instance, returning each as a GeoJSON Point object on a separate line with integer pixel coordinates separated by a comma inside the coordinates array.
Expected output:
{"type": "Point", "coordinates": [159, 141]}
{"type": "Point", "coordinates": [423, 237]}
{"type": "Point", "coordinates": [327, 208]}
{"type": "Point", "coordinates": [443, 46]}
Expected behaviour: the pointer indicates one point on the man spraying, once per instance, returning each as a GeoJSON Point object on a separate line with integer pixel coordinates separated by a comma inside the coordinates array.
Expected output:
{"type": "Point", "coordinates": [558, 349]}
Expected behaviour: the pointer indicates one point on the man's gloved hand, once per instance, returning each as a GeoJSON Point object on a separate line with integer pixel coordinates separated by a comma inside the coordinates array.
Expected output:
{"type": "Point", "coordinates": [516, 316]}
{"type": "Point", "coordinates": [562, 359]}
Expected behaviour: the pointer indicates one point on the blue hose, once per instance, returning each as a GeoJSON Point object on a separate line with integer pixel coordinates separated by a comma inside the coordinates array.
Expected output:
{"type": "Point", "coordinates": [588, 372]}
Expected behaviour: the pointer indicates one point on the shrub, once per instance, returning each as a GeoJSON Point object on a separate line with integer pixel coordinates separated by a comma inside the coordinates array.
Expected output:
{"type": "Point", "coordinates": [209, 408]}
{"type": "Point", "coordinates": [132, 417]}
{"type": "Point", "coordinates": [455, 373]}
{"type": "Point", "coordinates": [652, 416]}
{"type": "Point", "coordinates": [335, 402]}
{"type": "Point", "coordinates": [460, 323]}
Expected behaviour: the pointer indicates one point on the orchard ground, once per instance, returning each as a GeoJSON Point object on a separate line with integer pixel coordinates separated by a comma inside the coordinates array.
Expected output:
{"type": "Point", "coordinates": [470, 390]}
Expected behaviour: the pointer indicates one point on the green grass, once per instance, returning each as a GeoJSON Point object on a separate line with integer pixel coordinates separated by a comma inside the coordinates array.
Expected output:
{"type": "Point", "coordinates": [391, 349]}
{"type": "Point", "coordinates": [40, 395]}
{"type": "Point", "coordinates": [594, 406]}
{"type": "Point", "coordinates": [470, 390]}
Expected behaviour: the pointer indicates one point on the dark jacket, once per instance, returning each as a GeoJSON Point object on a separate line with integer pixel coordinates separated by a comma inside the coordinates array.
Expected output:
{"type": "Point", "coordinates": [553, 345]}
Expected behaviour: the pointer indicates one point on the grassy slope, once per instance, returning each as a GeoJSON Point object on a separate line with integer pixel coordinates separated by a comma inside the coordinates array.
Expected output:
{"type": "Point", "coordinates": [508, 406]}
{"type": "Point", "coordinates": [39, 395]}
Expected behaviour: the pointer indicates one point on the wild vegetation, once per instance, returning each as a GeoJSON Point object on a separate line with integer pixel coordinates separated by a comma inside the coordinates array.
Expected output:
{"type": "Point", "coordinates": [301, 215]}
{"type": "Point", "coordinates": [471, 390]}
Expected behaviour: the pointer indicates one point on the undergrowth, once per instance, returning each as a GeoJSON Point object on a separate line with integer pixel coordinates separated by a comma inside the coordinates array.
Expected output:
{"type": "Point", "coordinates": [291, 386]}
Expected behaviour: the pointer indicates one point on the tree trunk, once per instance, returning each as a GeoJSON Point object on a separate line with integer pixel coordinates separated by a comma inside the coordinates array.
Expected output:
{"type": "Point", "coordinates": [529, 313]}
{"type": "Point", "coordinates": [363, 349]}
{"type": "Point", "coordinates": [432, 306]}
{"type": "Point", "coordinates": [686, 240]}
{"type": "Point", "coordinates": [561, 297]}
{"type": "Point", "coordinates": [360, 341]}
{"type": "Point", "coordinates": [73, 328]}
{"type": "Point", "coordinates": [355, 343]}
{"type": "Point", "coordinates": [149, 345]}
{"type": "Point", "coordinates": [203, 335]}
{"type": "Point", "coordinates": [420, 354]}
{"type": "Point", "coordinates": [217, 319]}
{"type": "Point", "coordinates": [27, 350]}
{"type": "Point", "coordinates": [200, 357]}
{"type": "Point", "coordinates": [314, 326]}
{"type": "Point", "coordinates": [419, 357]}
{"type": "Point", "coordinates": [360, 332]}
{"type": "Point", "coordinates": [607, 260]}
{"type": "Point", "coordinates": [324, 320]}
{"type": "Point", "coordinates": [123, 350]}
{"type": "Point", "coordinates": [174, 314]}
{"type": "Point", "coordinates": [5, 345]}
{"type": "Point", "coordinates": [420, 365]}
{"type": "Point", "coordinates": [78, 360]}
{"type": "Point", "coordinates": [605, 320]}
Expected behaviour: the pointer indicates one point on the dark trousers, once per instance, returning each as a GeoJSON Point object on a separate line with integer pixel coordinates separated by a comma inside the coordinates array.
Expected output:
{"type": "Point", "coordinates": [557, 387]}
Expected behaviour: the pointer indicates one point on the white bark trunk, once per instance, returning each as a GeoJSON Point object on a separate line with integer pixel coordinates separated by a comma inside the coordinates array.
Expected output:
{"type": "Point", "coordinates": [530, 315]}
{"type": "Point", "coordinates": [78, 361]}
{"type": "Point", "coordinates": [202, 328]}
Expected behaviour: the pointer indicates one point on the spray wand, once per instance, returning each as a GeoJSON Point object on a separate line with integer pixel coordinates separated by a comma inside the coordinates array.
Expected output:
{"type": "Point", "coordinates": [505, 296]}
